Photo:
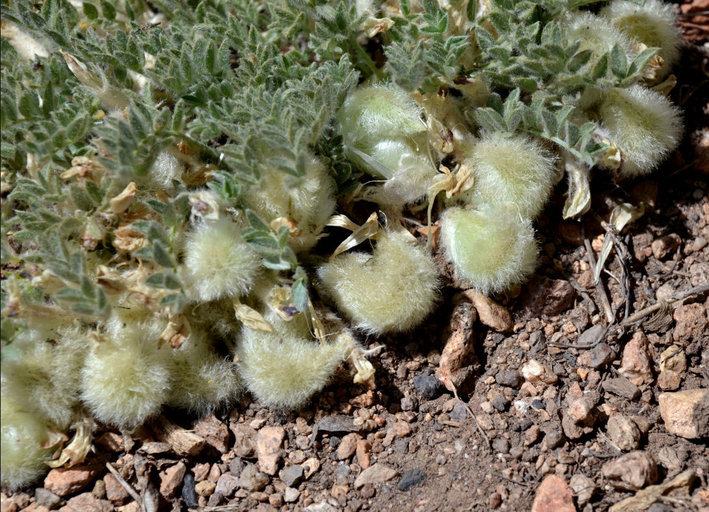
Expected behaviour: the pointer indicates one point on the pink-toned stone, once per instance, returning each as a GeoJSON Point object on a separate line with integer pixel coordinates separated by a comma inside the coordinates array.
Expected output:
{"type": "Point", "coordinates": [364, 453]}
{"type": "Point", "coordinates": [665, 246]}
{"type": "Point", "coordinates": [87, 502]}
{"type": "Point", "coordinates": [110, 441]}
{"type": "Point", "coordinates": [171, 479]}
{"type": "Point", "coordinates": [214, 432]}
{"type": "Point", "coordinates": [347, 446]}
{"type": "Point", "coordinates": [268, 448]}
{"type": "Point", "coordinates": [631, 472]}
{"type": "Point", "coordinates": [114, 490]}
{"type": "Point", "coordinates": [401, 429]}
{"type": "Point", "coordinates": [205, 488]}
{"type": "Point", "coordinates": [554, 495]}
{"type": "Point", "coordinates": [686, 413]}
{"type": "Point", "coordinates": [312, 466]}
{"type": "Point", "coordinates": [454, 368]}
{"type": "Point", "coordinates": [65, 481]}
{"type": "Point", "coordinates": [375, 474]}
{"type": "Point", "coordinates": [691, 322]}
{"type": "Point", "coordinates": [490, 312]}
{"type": "Point", "coordinates": [673, 365]}
{"type": "Point", "coordinates": [244, 440]}
{"type": "Point", "coordinates": [635, 364]}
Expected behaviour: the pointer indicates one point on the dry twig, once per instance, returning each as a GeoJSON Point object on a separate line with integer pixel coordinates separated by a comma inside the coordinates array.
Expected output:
{"type": "Point", "coordinates": [129, 489]}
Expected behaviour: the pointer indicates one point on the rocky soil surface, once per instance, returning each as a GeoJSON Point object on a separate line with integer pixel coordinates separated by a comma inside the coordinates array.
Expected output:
{"type": "Point", "coordinates": [564, 395]}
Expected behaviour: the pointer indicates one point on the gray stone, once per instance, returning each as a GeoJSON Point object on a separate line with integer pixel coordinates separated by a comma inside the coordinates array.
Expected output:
{"type": "Point", "coordinates": [623, 432]}
{"type": "Point", "coordinates": [290, 495]}
{"type": "Point", "coordinates": [336, 424]}
{"type": "Point", "coordinates": [374, 474]}
{"type": "Point", "coordinates": [510, 378]}
{"type": "Point", "coordinates": [236, 466]}
{"type": "Point", "coordinates": [292, 475]}
{"type": "Point", "coordinates": [252, 479]}
{"type": "Point", "coordinates": [622, 387]}
{"type": "Point", "coordinates": [501, 445]}
{"type": "Point", "coordinates": [500, 403]}
{"type": "Point", "coordinates": [189, 494]}
{"type": "Point", "coordinates": [554, 438]}
{"type": "Point", "coordinates": [410, 479]}
{"type": "Point", "coordinates": [46, 498]}
{"type": "Point", "coordinates": [226, 485]}
{"type": "Point", "coordinates": [459, 412]}
{"type": "Point", "coordinates": [428, 386]}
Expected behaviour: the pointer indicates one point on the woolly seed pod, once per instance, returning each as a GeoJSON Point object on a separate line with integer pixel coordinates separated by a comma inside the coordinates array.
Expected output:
{"type": "Point", "coordinates": [46, 376]}
{"type": "Point", "coordinates": [285, 371]}
{"type": "Point", "coordinates": [379, 112]}
{"type": "Point", "coordinates": [644, 125]}
{"type": "Point", "coordinates": [511, 168]}
{"type": "Point", "coordinates": [218, 262]}
{"type": "Point", "coordinates": [22, 456]}
{"type": "Point", "coordinates": [391, 290]}
{"type": "Point", "coordinates": [126, 376]}
{"type": "Point", "coordinates": [652, 24]}
{"type": "Point", "coordinates": [492, 249]}
{"type": "Point", "coordinates": [309, 200]}
{"type": "Point", "coordinates": [596, 34]}
{"type": "Point", "coordinates": [384, 134]}
{"type": "Point", "coordinates": [202, 380]}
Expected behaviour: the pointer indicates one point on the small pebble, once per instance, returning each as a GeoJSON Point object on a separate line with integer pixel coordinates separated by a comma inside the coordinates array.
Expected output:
{"type": "Point", "coordinates": [428, 386]}
{"type": "Point", "coordinates": [510, 378]}
{"type": "Point", "coordinates": [501, 445]}
{"type": "Point", "coordinates": [410, 479]}
{"type": "Point", "coordinates": [188, 493]}
{"type": "Point", "coordinates": [500, 403]}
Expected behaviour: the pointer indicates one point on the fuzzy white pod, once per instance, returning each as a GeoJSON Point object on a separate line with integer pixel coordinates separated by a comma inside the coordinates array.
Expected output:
{"type": "Point", "coordinates": [126, 376]}
{"type": "Point", "coordinates": [165, 169]}
{"type": "Point", "coordinates": [46, 376]}
{"type": "Point", "coordinates": [491, 249]}
{"type": "Point", "coordinates": [511, 168]}
{"type": "Point", "coordinates": [285, 371]}
{"type": "Point", "coordinates": [26, 46]}
{"type": "Point", "coordinates": [384, 134]}
{"type": "Point", "coordinates": [22, 457]}
{"type": "Point", "coordinates": [644, 125]}
{"type": "Point", "coordinates": [202, 380]}
{"type": "Point", "coordinates": [309, 200]}
{"type": "Point", "coordinates": [372, 114]}
{"type": "Point", "coordinates": [391, 290]}
{"type": "Point", "coordinates": [218, 262]}
{"type": "Point", "coordinates": [652, 24]}
{"type": "Point", "coordinates": [596, 34]}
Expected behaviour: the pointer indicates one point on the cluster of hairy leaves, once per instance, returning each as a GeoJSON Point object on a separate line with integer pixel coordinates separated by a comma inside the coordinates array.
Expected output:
{"type": "Point", "coordinates": [242, 87]}
{"type": "Point", "coordinates": [219, 82]}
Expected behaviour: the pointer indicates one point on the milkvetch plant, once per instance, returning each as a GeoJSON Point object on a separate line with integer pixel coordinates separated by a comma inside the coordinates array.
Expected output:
{"type": "Point", "coordinates": [176, 174]}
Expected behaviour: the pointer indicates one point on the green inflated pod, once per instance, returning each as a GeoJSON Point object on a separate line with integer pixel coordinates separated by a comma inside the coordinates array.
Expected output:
{"type": "Point", "coordinates": [653, 24]}
{"type": "Point", "coordinates": [46, 373]}
{"type": "Point", "coordinates": [644, 126]}
{"type": "Point", "coordinates": [384, 134]}
{"type": "Point", "coordinates": [305, 202]}
{"type": "Point", "coordinates": [25, 436]}
{"type": "Point", "coordinates": [284, 370]}
{"type": "Point", "coordinates": [393, 289]}
{"type": "Point", "coordinates": [491, 249]}
{"type": "Point", "coordinates": [511, 167]}
{"type": "Point", "coordinates": [597, 35]}
{"type": "Point", "coordinates": [126, 376]}
{"type": "Point", "coordinates": [202, 380]}
{"type": "Point", "coordinates": [218, 262]}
